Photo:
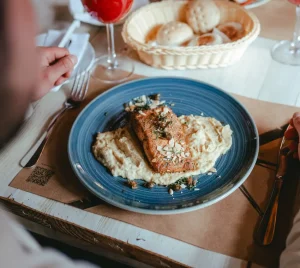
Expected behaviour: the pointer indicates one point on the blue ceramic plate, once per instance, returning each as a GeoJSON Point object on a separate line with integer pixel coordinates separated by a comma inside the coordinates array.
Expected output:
{"type": "Point", "coordinates": [190, 97]}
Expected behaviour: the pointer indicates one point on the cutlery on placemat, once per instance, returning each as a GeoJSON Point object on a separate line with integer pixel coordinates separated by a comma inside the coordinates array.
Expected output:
{"type": "Point", "coordinates": [265, 230]}
{"type": "Point", "coordinates": [251, 200]}
{"type": "Point", "coordinates": [78, 93]}
{"type": "Point", "coordinates": [272, 135]}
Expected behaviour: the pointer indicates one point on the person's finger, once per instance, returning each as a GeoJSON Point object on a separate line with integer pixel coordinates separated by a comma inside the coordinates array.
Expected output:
{"type": "Point", "coordinates": [63, 78]}
{"type": "Point", "coordinates": [53, 53]}
{"type": "Point", "coordinates": [60, 81]}
{"type": "Point", "coordinates": [296, 120]}
{"type": "Point", "coordinates": [291, 134]}
{"type": "Point", "coordinates": [61, 67]}
{"type": "Point", "coordinates": [293, 146]}
{"type": "Point", "coordinates": [68, 74]}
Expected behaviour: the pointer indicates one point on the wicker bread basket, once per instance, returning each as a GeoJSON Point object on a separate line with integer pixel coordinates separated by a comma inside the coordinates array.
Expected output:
{"type": "Point", "coordinates": [141, 22]}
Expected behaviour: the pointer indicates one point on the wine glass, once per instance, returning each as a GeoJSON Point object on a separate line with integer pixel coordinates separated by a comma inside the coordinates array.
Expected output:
{"type": "Point", "coordinates": [288, 52]}
{"type": "Point", "coordinates": [110, 68]}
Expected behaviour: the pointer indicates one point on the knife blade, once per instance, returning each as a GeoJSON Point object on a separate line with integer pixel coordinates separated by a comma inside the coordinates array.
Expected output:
{"type": "Point", "coordinates": [265, 231]}
{"type": "Point", "coordinates": [272, 135]}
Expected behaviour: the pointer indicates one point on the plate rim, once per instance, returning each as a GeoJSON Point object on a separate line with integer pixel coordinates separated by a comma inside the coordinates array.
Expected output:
{"type": "Point", "coordinates": [167, 211]}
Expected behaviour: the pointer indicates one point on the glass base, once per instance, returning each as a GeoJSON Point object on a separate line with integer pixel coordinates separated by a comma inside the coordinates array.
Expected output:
{"type": "Point", "coordinates": [121, 72]}
{"type": "Point", "coordinates": [283, 53]}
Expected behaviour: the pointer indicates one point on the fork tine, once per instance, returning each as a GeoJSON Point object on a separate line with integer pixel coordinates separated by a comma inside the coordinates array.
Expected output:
{"type": "Point", "coordinates": [80, 84]}
{"type": "Point", "coordinates": [75, 83]}
{"type": "Point", "coordinates": [85, 85]}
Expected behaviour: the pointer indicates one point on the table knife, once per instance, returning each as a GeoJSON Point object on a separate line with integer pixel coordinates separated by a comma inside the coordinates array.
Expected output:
{"type": "Point", "coordinates": [265, 230]}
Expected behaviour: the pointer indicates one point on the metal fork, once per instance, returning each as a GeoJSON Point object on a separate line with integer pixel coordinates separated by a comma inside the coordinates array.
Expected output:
{"type": "Point", "coordinates": [78, 93]}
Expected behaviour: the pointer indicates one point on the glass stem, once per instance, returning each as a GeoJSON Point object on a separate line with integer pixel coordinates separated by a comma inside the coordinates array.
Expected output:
{"type": "Point", "coordinates": [296, 40]}
{"type": "Point", "coordinates": [112, 61]}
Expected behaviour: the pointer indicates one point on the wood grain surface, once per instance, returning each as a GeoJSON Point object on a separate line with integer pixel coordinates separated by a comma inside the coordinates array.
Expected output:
{"type": "Point", "coordinates": [93, 238]}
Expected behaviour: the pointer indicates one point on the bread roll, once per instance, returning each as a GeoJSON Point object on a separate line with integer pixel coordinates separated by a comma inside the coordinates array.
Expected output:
{"type": "Point", "coordinates": [206, 40]}
{"type": "Point", "coordinates": [225, 38]}
{"type": "Point", "coordinates": [202, 15]}
{"type": "Point", "coordinates": [174, 33]}
{"type": "Point", "coordinates": [233, 30]}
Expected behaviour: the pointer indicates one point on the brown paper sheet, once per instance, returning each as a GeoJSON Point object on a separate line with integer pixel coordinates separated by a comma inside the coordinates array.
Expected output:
{"type": "Point", "coordinates": [226, 227]}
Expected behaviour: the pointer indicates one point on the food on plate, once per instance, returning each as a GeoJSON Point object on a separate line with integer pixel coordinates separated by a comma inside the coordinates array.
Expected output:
{"type": "Point", "coordinates": [202, 15]}
{"type": "Point", "coordinates": [206, 40]}
{"type": "Point", "coordinates": [189, 148]}
{"type": "Point", "coordinates": [174, 33]}
{"type": "Point", "coordinates": [233, 30]}
{"type": "Point", "coordinates": [161, 134]}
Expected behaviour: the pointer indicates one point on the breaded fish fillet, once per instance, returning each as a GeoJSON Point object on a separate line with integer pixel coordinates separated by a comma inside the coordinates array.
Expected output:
{"type": "Point", "coordinates": [163, 140]}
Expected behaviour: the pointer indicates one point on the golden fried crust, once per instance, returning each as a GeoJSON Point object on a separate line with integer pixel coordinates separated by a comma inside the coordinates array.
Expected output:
{"type": "Point", "coordinates": [162, 137]}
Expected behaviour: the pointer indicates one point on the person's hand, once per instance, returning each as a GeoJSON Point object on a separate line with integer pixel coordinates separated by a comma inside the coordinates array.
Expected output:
{"type": "Point", "coordinates": [293, 133]}
{"type": "Point", "coordinates": [56, 65]}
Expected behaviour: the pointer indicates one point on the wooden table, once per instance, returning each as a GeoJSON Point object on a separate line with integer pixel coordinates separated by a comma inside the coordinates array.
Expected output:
{"type": "Point", "coordinates": [270, 81]}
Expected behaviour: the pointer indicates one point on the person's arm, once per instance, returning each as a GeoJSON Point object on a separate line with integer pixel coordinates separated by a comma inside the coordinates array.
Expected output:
{"type": "Point", "coordinates": [290, 257]}
{"type": "Point", "coordinates": [25, 76]}
{"type": "Point", "coordinates": [17, 82]}
{"type": "Point", "coordinates": [55, 66]}
{"type": "Point", "coordinates": [27, 73]}
{"type": "Point", "coordinates": [18, 249]}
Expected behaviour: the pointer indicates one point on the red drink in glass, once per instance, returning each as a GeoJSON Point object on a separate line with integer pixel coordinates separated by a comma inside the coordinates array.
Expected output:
{"type": "Point", "coordinates": [110, 12]}
{"type": "Point", "coordinates": [295, 2]}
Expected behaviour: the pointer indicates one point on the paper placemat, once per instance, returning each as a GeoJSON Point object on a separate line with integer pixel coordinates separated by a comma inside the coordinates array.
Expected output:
{"type": "Point", "coordinates": [226, 227]}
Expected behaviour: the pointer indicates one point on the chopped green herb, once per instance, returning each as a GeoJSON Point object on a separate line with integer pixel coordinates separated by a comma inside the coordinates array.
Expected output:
{"type": "Point", "coordinates": [155, 97]}
{"type": "Point", "coordinates": [189, 182]}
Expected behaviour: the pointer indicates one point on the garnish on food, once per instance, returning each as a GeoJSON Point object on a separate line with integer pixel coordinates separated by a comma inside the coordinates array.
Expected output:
{"type": "Point", "coordinates": [163, 140]}
{"type": "Point", "coordinates": [132, 184]}
{"type": "Point", "coordinates": [188, 183]}
{"type": "Point", "coordinates": [161, 148]}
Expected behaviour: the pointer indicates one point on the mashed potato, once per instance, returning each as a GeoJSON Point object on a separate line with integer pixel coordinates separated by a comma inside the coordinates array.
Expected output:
{"type": "Point", "coordinates": [122, 154]}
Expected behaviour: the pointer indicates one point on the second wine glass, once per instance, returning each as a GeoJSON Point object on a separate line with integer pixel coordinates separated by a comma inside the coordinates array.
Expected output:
{"type": "Point", "coordinates": [288, 52]}
{"type": "Point", "coordinates": [111, 68]}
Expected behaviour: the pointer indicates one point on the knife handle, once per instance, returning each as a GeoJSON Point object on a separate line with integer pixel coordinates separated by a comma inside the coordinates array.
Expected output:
{"type": "Point", "coordinates": [265, 231]}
